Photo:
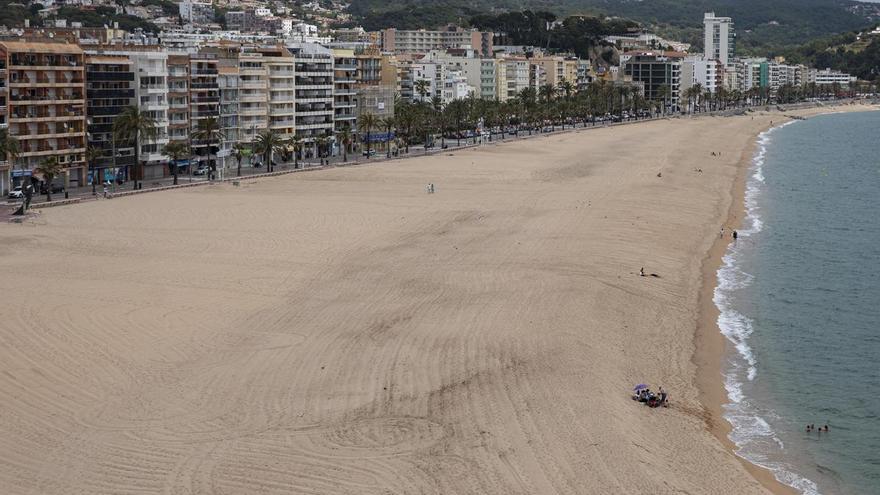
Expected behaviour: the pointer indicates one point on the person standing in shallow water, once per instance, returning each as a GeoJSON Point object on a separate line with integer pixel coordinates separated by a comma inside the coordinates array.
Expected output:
{"type": "Point", "coordinates": [735, 235]}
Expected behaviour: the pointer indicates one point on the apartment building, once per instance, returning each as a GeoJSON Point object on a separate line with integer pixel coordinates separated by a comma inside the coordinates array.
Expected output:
{"type": "Point", "coordinates": [109, 91]}
{"type": "Point", "coordinates": [228, 78]}
{"type": "Point", "coordinates": [479, 73]}
{"type": "Point", "coordinates": [455, 87]}
{"type": "Point", "coordinates": [512, 77]}
{"type": "Point", "coordinates": [204, 95]}
{"type": "Point", "coordinates": [553, 70]}
{"type": "Point", "coordinates": [658, 72]}
{"type": "Point", "coordinates": [151, 90]}
{"type": "Point", "coordinates": [719, 38]}
{"type": "Point", "coordinates": [178, 99]}
{"type": "Point", "coordinates": [281, 106]}
{"type": "Point", "coordinates": [429, 76]}
{"type": "Point", "coordinates": [828, 77]}
{"type": "Point", "coordinates": [377, 100]}
{"type": "Point", "coordinates": [45, 108]}
{"type": "Point", "coordinates": [194, 12]}
{"type": "Point", "coordinates": [423, 41]}
{"type": "Point", "coordinates": [344, 70]}
{"type": "Point", "coordinates": [253, 95]}
{"type": "Point", "coordinates": [314, 94]}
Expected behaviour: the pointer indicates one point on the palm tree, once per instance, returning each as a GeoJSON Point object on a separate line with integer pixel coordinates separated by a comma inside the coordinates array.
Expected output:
{"type": "Point", "coordinates": [697, 90]}
{"type": "Point", "coordinates": [9, 148]}
{"type": "Point", "coordinates": [366, 123]}
{"type": "Point", "coordinates": [295, 144]}
{"type": "Point", "coordinates": [267, 143]}
{"type": "Point", "coordinates": [421, 86]}
{"type": "Point", "coordinates": [388, 123]}
{"type": "Point", "coordinates": [132, 125]}
{"type": "Point", "coordinates": [176, 150]}
{"type": "Point", "coordinates": [566, 88]}
{"type": "Point", "coordinates": [344, 137]}
{"type": "Point", "coordinates": [92, 154]}
{"type": "Point", "coordinates": [662, 94]}
{"type": "Point", "coordinates": [50, 168]}
{"type": "Point", "coordinates": [209, 131]}
{"type": "Point", "coordinates": [547, 91]}
{"type": "Point", "coordinates": [239, 151]}
{"type": "Point", "coordinates": [321, 144]}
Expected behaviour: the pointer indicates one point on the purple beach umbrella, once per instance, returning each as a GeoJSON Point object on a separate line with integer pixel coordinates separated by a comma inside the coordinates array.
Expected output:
{"type": "Point", "coordinates": [640, 387]}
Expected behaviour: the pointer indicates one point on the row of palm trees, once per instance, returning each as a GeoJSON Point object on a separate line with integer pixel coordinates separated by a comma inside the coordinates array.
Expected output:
{"type": "Point", "coordinates": [419, 121]}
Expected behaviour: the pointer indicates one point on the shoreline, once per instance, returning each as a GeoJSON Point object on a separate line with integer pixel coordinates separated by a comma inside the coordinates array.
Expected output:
{"type": "Point", "coordinates": [709, 343]}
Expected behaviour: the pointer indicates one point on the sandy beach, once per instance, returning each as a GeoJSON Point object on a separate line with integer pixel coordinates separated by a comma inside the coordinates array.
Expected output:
{"type": "Point", "coordinates": [341, 331]}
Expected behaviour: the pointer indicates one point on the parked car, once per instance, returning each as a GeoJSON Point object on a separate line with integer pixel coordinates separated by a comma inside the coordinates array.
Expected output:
{"type": "Point", "coordinates": [202, 170]}
{"type": "Point", "coordinates": [16, 193]}
{"type": "Point", "coordinates": [56, 188]}
{"type": "Point", "coordinates": [369, 152]}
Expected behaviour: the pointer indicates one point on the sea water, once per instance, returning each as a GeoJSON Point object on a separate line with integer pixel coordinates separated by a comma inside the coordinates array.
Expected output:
{"type": "Point", "coordinates": [799, 296]}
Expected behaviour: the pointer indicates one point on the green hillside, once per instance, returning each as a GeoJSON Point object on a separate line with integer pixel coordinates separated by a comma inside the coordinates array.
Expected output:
{"type": "Point", "coordinates": [763, 25]}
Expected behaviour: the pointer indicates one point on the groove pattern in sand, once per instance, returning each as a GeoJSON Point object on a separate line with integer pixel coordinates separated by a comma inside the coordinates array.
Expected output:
{"type": "Point", "coordinates": [342, 332]}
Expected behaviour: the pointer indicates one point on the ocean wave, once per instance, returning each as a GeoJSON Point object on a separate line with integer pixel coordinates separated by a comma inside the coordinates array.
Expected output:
{"type": "Point", "coordinates": [751, 433]}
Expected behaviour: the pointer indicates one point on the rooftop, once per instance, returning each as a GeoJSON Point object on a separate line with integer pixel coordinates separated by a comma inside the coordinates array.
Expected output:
{"type": "Point", "coordinates": [35, 47]}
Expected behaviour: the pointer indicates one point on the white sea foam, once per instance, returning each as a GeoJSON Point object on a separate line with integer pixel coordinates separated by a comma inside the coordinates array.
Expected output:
{"type": "Point", "coordinates": [751, 433]}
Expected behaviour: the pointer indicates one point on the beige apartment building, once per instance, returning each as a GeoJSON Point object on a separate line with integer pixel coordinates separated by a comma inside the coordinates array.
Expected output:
{"type": "Point", "coordinates": [423, 40]}
{"type": "Point", "coordinates": [44, 108]}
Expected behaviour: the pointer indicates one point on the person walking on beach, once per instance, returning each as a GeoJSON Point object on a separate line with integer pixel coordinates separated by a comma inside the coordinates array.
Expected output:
{"type": "Point", "coordinates": [735, 235]}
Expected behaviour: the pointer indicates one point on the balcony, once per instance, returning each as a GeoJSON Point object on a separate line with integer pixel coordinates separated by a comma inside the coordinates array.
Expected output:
{"type": "Point", "coordinates": [109, 76]}
{"type": "Point", "coordinates": [313, 87]}
{"type": "Point", "coordinates": [328, 111]}
{"type": "Point", "coordinates": [94, 94]}
{"type": "Point", "coordinates": [205, 72]}
{"type": "Point", "coordinates": [55, 100]}
{"type": "Point", "coordinates": [283, 123]}
{"type": "Point", "coordinates": [324, 125]}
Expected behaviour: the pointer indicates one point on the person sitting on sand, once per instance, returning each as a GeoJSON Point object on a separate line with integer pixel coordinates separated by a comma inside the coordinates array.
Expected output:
{"type": "Point", "coordinates": [642, 271]}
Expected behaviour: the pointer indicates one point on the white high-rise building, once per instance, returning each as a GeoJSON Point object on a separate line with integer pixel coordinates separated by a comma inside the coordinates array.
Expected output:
{"type": "Point", "coordinates": [718, 38]}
